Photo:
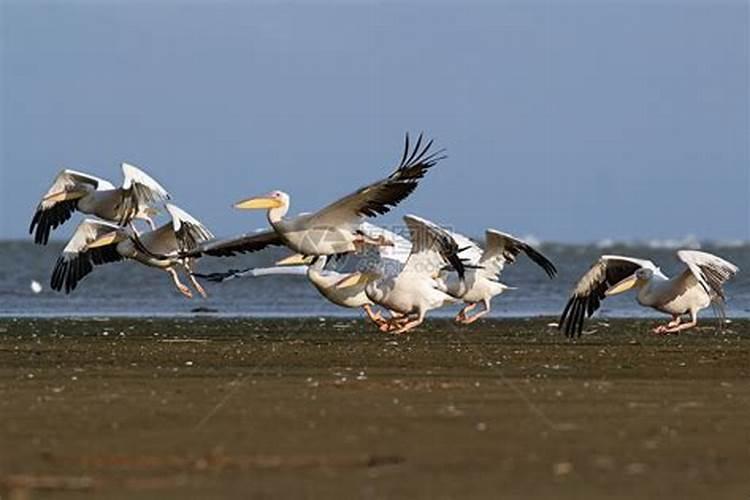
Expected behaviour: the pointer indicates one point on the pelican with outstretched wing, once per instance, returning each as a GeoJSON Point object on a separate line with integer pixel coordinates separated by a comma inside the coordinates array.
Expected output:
{"type": "Point", "coordinates": [335, 228]}
{"type": "Point", "coordinates": [483, 268]}
{"type": "Point", "coordinates": [91, 195]}
{"type": "Point", "coordinates": [416, 288]}
{"type": "Point", "coordinates": [97, 242]}
{"type": "Point", "coordinates": [696, 288]}
{"type": "Point", "coordinates": [325, 280]}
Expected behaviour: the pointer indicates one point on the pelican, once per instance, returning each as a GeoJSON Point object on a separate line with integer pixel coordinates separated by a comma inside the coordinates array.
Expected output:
{"type": "Point", "coordinates": [696, 288]}
{"type": "Point", "coordinates": [417, 287]}
{"type": "Point", "coordinates": [91, 195]}
{"type": "Point", "coordinates": [333, 229]}
{"type": "Point", "coordinates": [483, 268]}
{"type": "Point", "coordinates": [325, 281]}
{"type": "Point", "coordinates": [96, 242]}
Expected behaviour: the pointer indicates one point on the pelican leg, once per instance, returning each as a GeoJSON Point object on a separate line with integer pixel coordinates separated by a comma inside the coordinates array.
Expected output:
{"type": "Point", "coordinates": [461, 316]}
{"type": "Point", "coordinates": [471, 319]}
{"type": "Point", "coordinates": [197, 286]}
{"type": "Point", "coordinates": [394, 323]}
{"type": "Point", "coordinates": [411, 324]}
{"type": "Point", "coordinates": [189, 270]}
{"type": "Point", "coordinates": [661, 329]}
{"type": "Point", "coordinates": [684, 326]}
{"type": "Point", "coordinates": [374, 316]}
{"type": "Point", "coordinates": [182, 288]}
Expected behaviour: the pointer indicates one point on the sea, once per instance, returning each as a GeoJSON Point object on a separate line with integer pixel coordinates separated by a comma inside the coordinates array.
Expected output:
{"type": "Point", "coordinates": [131, 289]}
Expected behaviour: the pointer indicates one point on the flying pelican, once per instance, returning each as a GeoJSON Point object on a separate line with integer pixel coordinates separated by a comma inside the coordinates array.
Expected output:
{"type": "Point", "coordinates": [483, 268]}
{"type": "Point", "coordinates": [324, 280]}
{"type": "Point", "coordinates": [697, 287]}
{"type": "Point", "coordinates": [96, 242]}
{"type": "Point", "coordinates": [416, 288]}
{"type": "Point", "coordinates": [335, 228]}
{"type": "Point", "coordinates": [91, 195]}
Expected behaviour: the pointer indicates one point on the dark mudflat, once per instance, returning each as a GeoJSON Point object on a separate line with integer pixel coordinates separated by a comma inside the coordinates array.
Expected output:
{"type": "Point", "coordinates": [224, 408]}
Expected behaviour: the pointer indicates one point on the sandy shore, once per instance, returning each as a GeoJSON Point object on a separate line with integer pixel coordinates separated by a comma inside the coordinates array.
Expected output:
{"type": "Point", "coordinates": [226, 408]}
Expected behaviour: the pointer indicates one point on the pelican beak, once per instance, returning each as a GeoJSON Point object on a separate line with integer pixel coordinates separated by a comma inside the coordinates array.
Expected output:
{"type": "Point", "coordinates": [622, 286]}
{"type": "Point", "coordinates": [353, 280]}
{"type": "Point", "coordinates": [259, 202]}
{"type": "Point", "coordinates": [103, 241]}
{"type": "Point", "coordinates": [296, 260]}
{"type": "Point", "coordinates": [64, 195]}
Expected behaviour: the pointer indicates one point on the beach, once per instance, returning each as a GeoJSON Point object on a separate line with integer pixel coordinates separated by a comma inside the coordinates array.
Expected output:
{"type": "Point", "coordinates": [330, 408]}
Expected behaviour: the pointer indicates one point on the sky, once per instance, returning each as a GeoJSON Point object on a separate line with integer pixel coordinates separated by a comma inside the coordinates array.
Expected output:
{"type": "Point", "coordinates": [570, 121]}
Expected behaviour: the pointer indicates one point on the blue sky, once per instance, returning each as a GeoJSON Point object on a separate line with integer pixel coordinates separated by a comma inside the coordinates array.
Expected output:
{"type": "Point", "coordinates": [572, 121]}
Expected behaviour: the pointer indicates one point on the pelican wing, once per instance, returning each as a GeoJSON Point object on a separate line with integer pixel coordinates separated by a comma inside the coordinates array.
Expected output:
{"type": "Point", "coordinates": [189, 231]}
{"type": "Point", "coordinates": [245, 243]}
{"type": "Point", "coordinates": [502, 249]}
{"type": "Point", "coordinates": [432, 249]}
{"type": "Point", "coordinates": [590, 289]}
{"type": "Point", "coordinates": [61, 200]}
{"type": "Point", "coordinates": [139, 191]}
{"type": "Point", "coordinates": [469, 250]}
{"type": "Point", "coordinates": [379, 197]}
{"type": "Point", "coordinates": [710, 271]}
{"type": "Point", "coordinates": [77, 260]}
{"type": "Point", "coordinates": [398, 252]}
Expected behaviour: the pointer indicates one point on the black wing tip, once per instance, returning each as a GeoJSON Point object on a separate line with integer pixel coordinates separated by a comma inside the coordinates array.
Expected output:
{"type": "Point", "coordinates": [572, 317]}
{"type": "Point", "coordinates": [540, 259]}
{"type": "Point", "coordinates": [417, 157]}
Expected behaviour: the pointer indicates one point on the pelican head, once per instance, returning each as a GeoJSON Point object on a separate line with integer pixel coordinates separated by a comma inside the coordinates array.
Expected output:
{"type": "Point", "coordinates": [274, 199]}
{"type": "Point", "coordinates": [637, 279]}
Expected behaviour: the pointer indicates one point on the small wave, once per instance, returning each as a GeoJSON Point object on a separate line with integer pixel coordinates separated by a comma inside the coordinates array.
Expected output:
{"type": "Point", "coordinates": [689, 242]}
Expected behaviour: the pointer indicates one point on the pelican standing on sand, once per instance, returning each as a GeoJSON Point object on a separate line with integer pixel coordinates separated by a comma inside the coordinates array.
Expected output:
{"type": "Point", "coordinates": [696, 288]}
{"type": "Point", "coordinates": [483, 268]}
{"type": "Point", "coordinates": [91, 195]}
{"type": "Point", "coordinates": [335, 228]}
{"type": "Point", "coordinates": [96, 242]}
{"type": "Point", "coordinates": [417, 288]}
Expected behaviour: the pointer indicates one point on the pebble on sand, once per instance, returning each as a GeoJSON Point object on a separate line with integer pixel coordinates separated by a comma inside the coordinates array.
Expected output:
{"type": "Point", "coordinates": [563, 468]}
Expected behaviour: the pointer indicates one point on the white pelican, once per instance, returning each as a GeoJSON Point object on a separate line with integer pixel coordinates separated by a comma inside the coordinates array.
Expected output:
{"type": "Point", "coordinates": [483, 268]}
{"type": "Point", "coordinates": [322, 279]}
{"type": "Point", "coordinates": [697, 287]}
{"type": "Point", "coordinates": [334, 229]}
{"type": "Point", "coordinates": [96, 242]}
{"type": "Point", "coordinates": [91, 195]}
{"type": "Point", "coordinates": [325, 280]}
{"type": "Point", "coordinates": [417, 288]}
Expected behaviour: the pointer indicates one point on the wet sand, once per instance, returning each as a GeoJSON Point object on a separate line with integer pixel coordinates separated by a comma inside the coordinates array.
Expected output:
{"type": "Point", "coordinates": [238, 408]}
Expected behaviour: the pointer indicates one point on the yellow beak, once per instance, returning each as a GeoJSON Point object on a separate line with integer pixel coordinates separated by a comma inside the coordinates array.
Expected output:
{"type": "Point", "coordinates": [103, 241]}
{"type": "Point", "coordinates": [257, 203]}
{"type": "Point", "coordinates": [622, 286]}
{"type": "Point", "coordinates": [295, 260]}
